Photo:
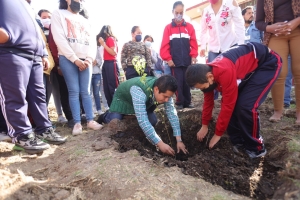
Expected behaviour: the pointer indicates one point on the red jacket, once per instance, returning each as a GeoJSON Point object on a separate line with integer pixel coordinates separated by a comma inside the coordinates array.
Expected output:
{"type": "Point", "coordinates": [179, 44]}
{"type": "Point", "coordinates": [227, 68]}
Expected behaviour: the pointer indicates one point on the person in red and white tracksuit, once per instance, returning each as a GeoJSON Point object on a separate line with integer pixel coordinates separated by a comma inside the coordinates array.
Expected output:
{"type": "Point", "coordinates": [244, 74]}
{"type": "Point", "coordinates": [179, 48]}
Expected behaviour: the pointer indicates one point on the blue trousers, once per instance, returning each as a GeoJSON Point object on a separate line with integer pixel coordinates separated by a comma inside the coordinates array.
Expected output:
{"type": "Point", "coordinates": [244, 125]}
{"type": "Point", "coordinates": [110, 74]}
{"type": "Point", "coordinates": [22, 89]}
{"type": "Point", "coordinates": [95, 89]}
{"type": "Point", "coordinates": [114, 115]}
{"type": "Point", "coordinates": [183, 93]}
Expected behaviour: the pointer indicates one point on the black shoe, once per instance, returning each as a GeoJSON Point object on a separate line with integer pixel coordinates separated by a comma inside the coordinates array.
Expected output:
{"type": "Point", "coordinates": [256, 154]}
{"type": "Point", "coordinates": [101, 117]}
{"type": "Point", "coordinates": [292, 102]}
{"type": "Point", "coordinates": [179, 106]}
{"type": "Point", "coordinates": [189, 106]}
{"type": "Point", "coordinates": [51, 137]}
{"type": "Point", "coordinates": [286, 105]}
{"type": "Point", "coordinates": [31, 144]}
{"type": "Point", "coordinates": [71, 123]}
{"type": "Point", "coordinates": [83, 118]}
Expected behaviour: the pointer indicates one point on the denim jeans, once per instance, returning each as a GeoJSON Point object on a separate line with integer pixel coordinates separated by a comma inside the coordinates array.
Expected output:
{"type": "Point", "coordinates": [95, 89]}
{"type": "Point", "coordinates": [78, 82]}
{"type": "Point", "coordinates": [211, 57]}
{"type": "Point", "coordinates": [114, 115]}
{"type": "Point", "coordinates": [167, 69]}
{"type": "Point", "coordinates": [288, 83]}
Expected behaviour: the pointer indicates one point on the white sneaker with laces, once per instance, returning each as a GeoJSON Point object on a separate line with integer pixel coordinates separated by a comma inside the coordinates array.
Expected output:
{"type": "Point", "coordinates": [94, 125]}
{"type": "Point", "coordinates": [61, 119]}
{"type": "Point", "coordinates": [77, 130]}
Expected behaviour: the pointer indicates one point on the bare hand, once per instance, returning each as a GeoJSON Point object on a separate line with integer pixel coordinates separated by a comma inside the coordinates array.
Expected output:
{"type": "Point", "coordinates": [291, 25]}
{"type": "Point", "coordinates": [87, 64]}
{"type": "Point", "coordinates": [194, 60]}
{"type": "Point", "coordinates": [214, 140]}
{"type": "Point", "coordinates": [171, 63]}
{"type": "Point", "coordinates": [202, 53]}
{"type": "Point", "coordinates": [46, 63]}
{"type": "Point", "coordinates": [101, 41]}
{"type": "Point", "coordinates": [163, 147]}
{"type": "Point", "coordinates": [181, 146]}
{"type": "Point", "coordinates": [202, 133]}
{"type": "Point", "coordinates": [94, 63]}
{"type": "Point", "coordinates": [279, 28]}
{"type": "Point", "coordinates": [80, 64]}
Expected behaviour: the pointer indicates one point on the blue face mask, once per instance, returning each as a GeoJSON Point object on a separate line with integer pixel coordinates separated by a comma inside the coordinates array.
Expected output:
{"type": "Point", "coordinates": [138, 38]}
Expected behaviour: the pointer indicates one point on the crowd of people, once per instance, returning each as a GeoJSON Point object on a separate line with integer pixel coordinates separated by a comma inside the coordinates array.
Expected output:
{"type": "Point", "coordinates": [55, 53]}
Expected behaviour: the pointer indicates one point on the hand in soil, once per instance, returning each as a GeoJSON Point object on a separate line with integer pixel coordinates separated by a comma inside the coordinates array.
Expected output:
{"type": "Point", "coordinates": [163, 147]}
{"type": "Point", "coordinates": [202, 133]}
{"type": "Point", "coordinates": [214, 140]}
{"type": "Point", "coordinates": [181, 146]}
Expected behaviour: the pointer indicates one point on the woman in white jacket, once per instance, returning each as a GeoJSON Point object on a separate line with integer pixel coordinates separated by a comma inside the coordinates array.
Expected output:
{"type": "Point", "coordinates": [76, 49]}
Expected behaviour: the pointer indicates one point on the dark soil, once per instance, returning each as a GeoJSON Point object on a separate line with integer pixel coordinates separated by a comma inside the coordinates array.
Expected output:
{"type": "Point", "coordinates": [256, 178]}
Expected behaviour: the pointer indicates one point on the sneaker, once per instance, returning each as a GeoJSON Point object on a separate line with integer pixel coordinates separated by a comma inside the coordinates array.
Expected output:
{"type": "Point", "coordinates": [31, 144]}
{"type": "Point", "coordinates": [4, 137]}
{"type": "Point", "coordinates": [62, 119]}
{"type": "Point", "coordinates": [257, 154]}
{"type": "Point", "coordinates": [179, 106]}
{"type": "Point", "coordinates": [236, 148]}
{"type": "Point", "coordinates": [94, 125]}
{"type": "Point", "coordinates": [51, 137]}
{"type": "Point", "coordinates": [286, 105]}
{"type": "Point", "coordinates": [71, 123]}
{"type": "Point", "coordinates": [77, 130]}
{"type": "Point", "coordinates": [100, 112]}
{"type": "Point", "coordinates": [100, 119]}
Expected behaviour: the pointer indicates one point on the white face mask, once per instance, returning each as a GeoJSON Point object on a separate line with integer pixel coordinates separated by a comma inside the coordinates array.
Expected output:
{"type": "Point", "coordinates": [46, 22]}
{"type": "Point", "coordinates": [148, 44]}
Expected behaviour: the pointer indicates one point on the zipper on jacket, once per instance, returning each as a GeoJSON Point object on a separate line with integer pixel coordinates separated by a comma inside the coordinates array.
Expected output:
{"type": "Point", "coordinates": [181, 46]}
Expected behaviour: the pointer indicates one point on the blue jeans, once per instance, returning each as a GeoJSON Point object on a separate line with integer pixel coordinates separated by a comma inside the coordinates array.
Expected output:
{"type": "Point", "coordinates": [288, 83]}
{"type": "Point", "coordinates": [78, 82]}
{"type": "Point", "coordinates": [95, 89]}
{"type": "Point", "coordinates": [167, 69]}
{"type": "Point", "coordinates": [211, 57]}
{"type": "Point", "coordinates": [114, 115]}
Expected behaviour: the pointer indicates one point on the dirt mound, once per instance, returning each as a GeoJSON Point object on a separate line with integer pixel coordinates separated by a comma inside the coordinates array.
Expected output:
{"type": "Point", "coordinates": [256, 178]}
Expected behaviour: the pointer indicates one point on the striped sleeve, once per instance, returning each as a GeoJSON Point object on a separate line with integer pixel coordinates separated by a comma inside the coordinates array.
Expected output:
{"type": "Point", "coordinates": [139, 103]}
{"type": "Point", "coordinates": [172, 116]}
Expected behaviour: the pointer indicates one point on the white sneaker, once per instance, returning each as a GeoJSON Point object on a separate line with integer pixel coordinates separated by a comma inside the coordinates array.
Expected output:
{"type": "Point", "coordinates": [4, 137]}
{"type": "Point", "coordinates": [77, 130]}
{"type": "Point", "coordinates": [62, 119]}
{"type": "Point", "coordinates": [100, 112]}
{"type": "Point", "coordinates": [94, 125]}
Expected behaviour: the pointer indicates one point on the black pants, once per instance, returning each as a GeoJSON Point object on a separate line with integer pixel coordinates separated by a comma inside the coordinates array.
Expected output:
{"type": "Point", "coordinates": [244, 125]}
{"type": "Point", "coordinates": [131, 72]}
{"type": "Point", "coordinates": [183, 94]}
{"type": "Point", "coordinates": [110, 74]}
{"type": "Point", "coordinates": [64, 96]}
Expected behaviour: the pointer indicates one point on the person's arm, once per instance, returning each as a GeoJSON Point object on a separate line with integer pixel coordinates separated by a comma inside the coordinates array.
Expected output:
{"type": "Point", "coordinates": [261, 36]}
{"type": "Point", "coordinates": [98, 59]}
{"type": "Point", "coordinates": [193, 43]}
{"type": "Point", "coordinates": [60, 37]}
{"type": "Point", "coordinates": [124, 56]}
{"type": "Point", "coordinates": [147, 56]}
{"type": "Point", "coordinates": [154, 56]}
{"type": "Point", "coordinates": [260, 17]}
{"type": "Point", "coordinates": [239, 22]}
{"type": "Point", "coordinates": [165, 52]}
{"type": "Point", "coordinates": [203, 33]}
{"type": "Point", "coordinates": [173, 118]}
{"type": "Point", "coordinates": [4, 36]}
{"type": "Point", "coordinates": [208, 106]}
{"type": "Point", "coordinates": [139, 103]}
{"type": "Point", "coordinates": [110, 45]}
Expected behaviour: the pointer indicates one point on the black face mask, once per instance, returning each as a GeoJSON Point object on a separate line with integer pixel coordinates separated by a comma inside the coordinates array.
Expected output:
{"type": "Point", "coordinates": [75, 6]}
{"type": "Point", "coordinates": [210, 88]}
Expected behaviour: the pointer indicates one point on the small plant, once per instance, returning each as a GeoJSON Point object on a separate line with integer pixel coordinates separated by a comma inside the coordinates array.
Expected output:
{"type": "Point", "coordinates": [140, 66]}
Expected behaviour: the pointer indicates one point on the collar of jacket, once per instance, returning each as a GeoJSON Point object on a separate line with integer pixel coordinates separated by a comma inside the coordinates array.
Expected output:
{"type": "Point", "coordinates": [174, 24]}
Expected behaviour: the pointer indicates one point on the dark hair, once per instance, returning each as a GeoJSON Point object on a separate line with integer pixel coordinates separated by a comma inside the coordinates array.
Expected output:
{"type": "Point", "coordinates": [177, 3]}
{"type": "Point", "coordinates": [43, 10]}
{"type": "Point", "coordinates": [197, 74]}
{"type": "Point", "coordinates": [105, 33]}
{"type": "Point", "coordinates": [134, 29]}
{"type": "Point", "coordinates": [63, 5]}
{"type": "Point", "coordinates": [245, 9]}
{"type": "Point", "coordinates": [148, 36]}
{"type": "Point", "coordinates": [166, 83]}
{"type": "Point", "coordinates": [84, 13]}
